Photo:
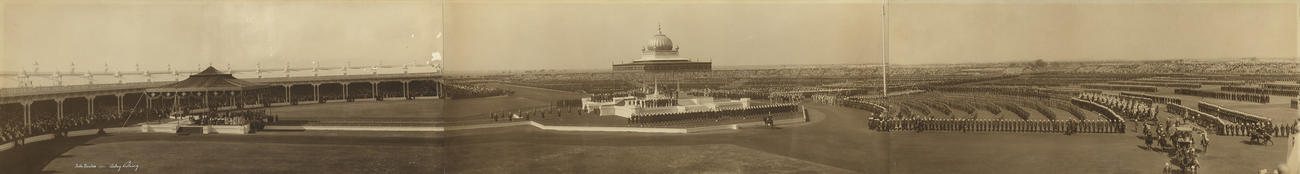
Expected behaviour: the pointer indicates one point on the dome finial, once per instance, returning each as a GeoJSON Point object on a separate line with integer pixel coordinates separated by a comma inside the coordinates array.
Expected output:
{"type": "Point", "coordinates": [661, 28]}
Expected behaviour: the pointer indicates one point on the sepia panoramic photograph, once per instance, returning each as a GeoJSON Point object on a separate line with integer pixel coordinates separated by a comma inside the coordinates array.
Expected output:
{"type": "Point", "coordinates": [650, 86]}
{"type": "Point", "coordinates": [145, 86]}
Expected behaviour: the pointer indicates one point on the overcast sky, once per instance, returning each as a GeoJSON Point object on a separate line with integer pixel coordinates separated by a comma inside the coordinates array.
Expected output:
{"type": "Point", "coordinates": [186, 33]}
{"type": "Point", "coordinates": [497, 35]}
{"type": "Point", "coordinates": [987, 32]}
{"type": "Point", "coordinates": [589, 35]}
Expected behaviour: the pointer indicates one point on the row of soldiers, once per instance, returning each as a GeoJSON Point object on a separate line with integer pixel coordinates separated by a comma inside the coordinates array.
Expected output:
{"type": "Point", "coordinates": [1267, 128]}
{"type": "Point", "coordinates": [940, 124]}
{"type": "Point", "coordinates": [1014, 90]}
{"type": "Point", "coordinates": [1154, 98]}
{"type": "Point", "coordinates": [1121, 88]}
{"type": "Point", "coordinates": [863, 105]}
{"type": "Point", "coordinates": [1199, 118]}
{"type": "Point", "coordinates": [786, 97]}
{"type": "Point", "coordinates": [823, 98]}
{"type": "Point", "coordinates": [658, 118]}
{"type": "Point", "coordinates": [1229, 114]}
{"type": "Point", "coordinates": [1162, 84]}
{"type": "Point", "coordinates": [1222, 95]}
{"type": "Point", "coordinates": [473, 91]}
{"type": "Point", "coordinates": [541, 113]}
{"type": "Point", "coordinates": [1134, 108]}
{"type": "Point", "coordinates": [1261, 90]}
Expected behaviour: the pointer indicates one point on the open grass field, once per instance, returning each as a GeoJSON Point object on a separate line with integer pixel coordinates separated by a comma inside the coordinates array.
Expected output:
{"type": "Point", "coordinates": [616, 121]}
{"type": "Point", "coordinates": [472, 109]}
{"type": "Point", "coordinates": [839, 142]}
{"type": "Point", "coordinates": [410, 110]}
{"type": "Point", "coordinates": [835, 143]}
{"type": "Point", "coordinates": [265, 152]}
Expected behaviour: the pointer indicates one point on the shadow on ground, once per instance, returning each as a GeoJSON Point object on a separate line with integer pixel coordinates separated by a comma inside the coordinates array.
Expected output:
{"type": "Point", "coordinates": [32, 157]}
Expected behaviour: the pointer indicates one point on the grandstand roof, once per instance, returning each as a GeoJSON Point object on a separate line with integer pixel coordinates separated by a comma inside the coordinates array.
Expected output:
{"type": "Point", "coordinates": [209, 79]}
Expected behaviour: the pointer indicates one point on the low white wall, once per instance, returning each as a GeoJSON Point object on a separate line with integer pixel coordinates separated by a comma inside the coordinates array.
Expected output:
{"type": "Point", "coordinates": [228, 129]}
{"type": "Point", "coordinates": [353, 128]}
{"type": "Point", "coordinates": [608, 129]}
{"type": "Point", "coordinates": [481, 126]}
{"type": "Point", "coordinates": [159, 128]}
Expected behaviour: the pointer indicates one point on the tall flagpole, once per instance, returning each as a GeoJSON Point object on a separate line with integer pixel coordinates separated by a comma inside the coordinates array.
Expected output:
{"type": "Point", "coordinates": [884, 34]}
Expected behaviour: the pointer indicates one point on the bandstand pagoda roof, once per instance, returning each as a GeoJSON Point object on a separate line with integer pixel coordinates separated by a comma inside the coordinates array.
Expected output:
{"type": "Point", "coordinates": [208, 80]}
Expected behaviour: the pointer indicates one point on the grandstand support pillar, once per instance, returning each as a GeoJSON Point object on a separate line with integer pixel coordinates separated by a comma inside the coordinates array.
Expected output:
{"type": "Point", "coordinates": [288, 94]}
{"type": "Point", "coordinates": [346, 98]}
{"type": "Point", "coordinates": [119, 103]}
{"type": "Point", "coordinates": [27, 116]}
{"type": "Point", "coordinates": [234, 101]}
{"type": "Point", "coordinates": [90, 106]}
{"type": "Point", "coordinates": [205, 103]}
{"type": "Point", "coordinates": [374, 90]}
{"type": "Point", "coordinates": [406, 89]}
{"type": "Point", "coordinates": [438, 87]}
{"type": "Point", "coordinates": [315, 91]}
{"type": "Point", "coordinates": [176, 104]}
{"type": "Point", "coordinates": [58, 114]}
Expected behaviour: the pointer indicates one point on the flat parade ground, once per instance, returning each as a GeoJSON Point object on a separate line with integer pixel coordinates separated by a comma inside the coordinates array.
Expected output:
{"type": "Point", "coordinates": [388, 110]}
{"type": "Point", "coordinates": [477, 109]}
{"type": "Point", "coordinates": [835, 142]}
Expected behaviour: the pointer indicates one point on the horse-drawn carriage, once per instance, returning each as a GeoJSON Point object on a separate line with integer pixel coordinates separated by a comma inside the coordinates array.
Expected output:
{"type": "Point", "coordinates": [1261, 136]}
{"type": "Point", "coordinates": [1184, 155]}
{"type": "Point", "coordinates": [1182, 137]}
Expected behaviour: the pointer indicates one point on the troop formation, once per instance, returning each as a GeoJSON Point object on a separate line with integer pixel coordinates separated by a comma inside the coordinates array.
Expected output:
{"type": "Point", "coordinates": [1132, 108]}
{"type": "Point", "coordinates": [1120, 87]}
{"type": "Point", "coordinates": [1223, 95]}
{"type": "Point", "coordinates": [472, 91]}
{"type": "Point", "coordinates": [997, 125]}
{"type": "Point", "coordinates": [663, 118]}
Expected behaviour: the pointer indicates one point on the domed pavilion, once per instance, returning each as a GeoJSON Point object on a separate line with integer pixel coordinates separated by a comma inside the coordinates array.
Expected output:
{"type": "Point", "coordinates": [659, 55]}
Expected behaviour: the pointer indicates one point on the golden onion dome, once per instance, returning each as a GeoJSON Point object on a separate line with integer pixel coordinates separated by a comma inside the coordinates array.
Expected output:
{"type": "Point", "coordinates": [659, 42]}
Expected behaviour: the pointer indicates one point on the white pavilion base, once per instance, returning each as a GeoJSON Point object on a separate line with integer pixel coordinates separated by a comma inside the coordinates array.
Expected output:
{"type": "Point", "coordinates": [172, 127]}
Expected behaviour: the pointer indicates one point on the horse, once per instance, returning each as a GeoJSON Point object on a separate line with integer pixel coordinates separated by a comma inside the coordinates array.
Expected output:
{"type": "Point", "coordinates": [1261, 138]}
